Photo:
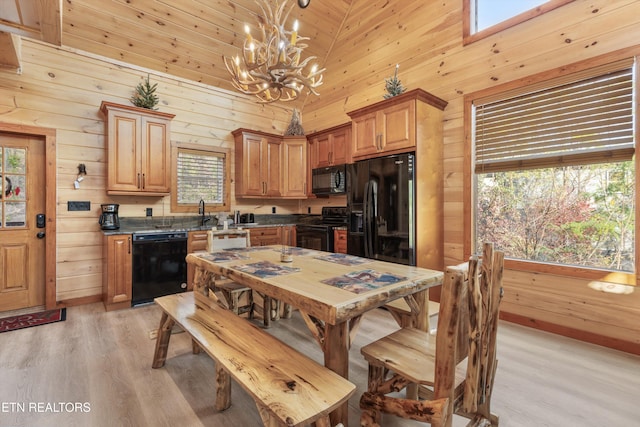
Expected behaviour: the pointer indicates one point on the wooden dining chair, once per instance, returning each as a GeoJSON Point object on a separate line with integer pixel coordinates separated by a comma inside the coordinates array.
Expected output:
{"type": "Point", "coordinates": [455, 370]}
{"type": "Point", "coordinates": [406, 318]}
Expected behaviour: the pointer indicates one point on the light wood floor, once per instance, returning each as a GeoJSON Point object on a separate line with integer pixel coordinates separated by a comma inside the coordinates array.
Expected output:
{"type": "Point", "coordinates": [101, 363]}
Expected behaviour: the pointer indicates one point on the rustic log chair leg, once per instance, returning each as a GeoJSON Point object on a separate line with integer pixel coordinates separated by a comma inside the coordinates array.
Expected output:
{"type": "Point", "coordinates": [275, 309]}
{"type": "Point", "coordinates": [223, 389]}
{"type": "Point", "coordinates": [287, 311]}
{"type": "Point", "coordinates": [162, 341]}
{"type": "Point", "coordinates": [266, 311]}
{"type": "Point", "coordinates": [370, 416]}
{"type": "Point", "coordinates": [235, 302]}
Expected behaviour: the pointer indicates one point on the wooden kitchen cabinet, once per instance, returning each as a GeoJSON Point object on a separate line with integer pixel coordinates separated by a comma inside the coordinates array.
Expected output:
{"type": "Point", "coordinates": [258, 158]}
{"type": "Point", "coordinates": [117, 272]}
{"type": "Point", "coordinates": [340, 241]}
{"type": "Point", "coordinates": [196, 241]}
{"type": "Point", "coordinates": [264, 236]}
{"type": "Point", "coordinates": [294, 167]}
{"type": "Point", "coordinates": [390, 126]}
{"type": "Point", "coordinates": [138, 150]}
{"type": "Point", "coordinates": [330, 146]}
{"type": "Point", "coordinates": [278, 235]}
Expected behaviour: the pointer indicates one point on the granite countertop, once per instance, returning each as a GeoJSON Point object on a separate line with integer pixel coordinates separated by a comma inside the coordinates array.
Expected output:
{"type": "Point", "coordinates": [178, 224]}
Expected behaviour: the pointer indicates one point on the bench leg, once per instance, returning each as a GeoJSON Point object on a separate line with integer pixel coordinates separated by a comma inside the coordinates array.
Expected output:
{"type": "Point", "coordinates": [162, 341]}
{"type": "Point", "coordinates": [195, 348]}
{"type": "Point", "coordinates": [223, 389]}
{"type": "Point", "coordinates": [268, 420]}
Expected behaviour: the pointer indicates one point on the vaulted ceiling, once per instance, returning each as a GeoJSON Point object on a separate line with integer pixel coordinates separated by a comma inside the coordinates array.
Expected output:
{"type": "Point", "coordinates": [185, 38]}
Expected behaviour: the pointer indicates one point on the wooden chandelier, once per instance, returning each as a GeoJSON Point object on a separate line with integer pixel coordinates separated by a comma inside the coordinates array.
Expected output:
{"type": "Point", "coordinates": [271, 67]}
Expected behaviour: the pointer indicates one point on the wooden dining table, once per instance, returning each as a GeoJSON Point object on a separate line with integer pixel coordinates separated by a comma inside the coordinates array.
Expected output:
{"type": "Point", "coordinates": [331, 291]}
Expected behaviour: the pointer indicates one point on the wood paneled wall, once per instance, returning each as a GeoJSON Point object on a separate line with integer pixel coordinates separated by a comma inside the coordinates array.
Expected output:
{"type": "Point", "coordinates": [63, 89]}
{"type": "Point", "coordinates": [425, 38]}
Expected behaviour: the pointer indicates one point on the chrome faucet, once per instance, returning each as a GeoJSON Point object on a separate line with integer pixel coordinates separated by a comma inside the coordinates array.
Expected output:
{"type": "Point", "coordinates": [203, 220]}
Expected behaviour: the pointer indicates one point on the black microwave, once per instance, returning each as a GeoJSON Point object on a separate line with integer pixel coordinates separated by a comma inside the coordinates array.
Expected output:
{"type": "Point", "coordinates": [330, 180]}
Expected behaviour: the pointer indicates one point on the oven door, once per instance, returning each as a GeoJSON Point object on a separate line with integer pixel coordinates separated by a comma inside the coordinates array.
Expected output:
{"type": "Point", "coordinates": [314, 237]}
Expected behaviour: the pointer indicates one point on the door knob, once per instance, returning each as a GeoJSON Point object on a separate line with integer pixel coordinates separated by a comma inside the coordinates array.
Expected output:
{"type": "Point", "coordinates": [40, 235]}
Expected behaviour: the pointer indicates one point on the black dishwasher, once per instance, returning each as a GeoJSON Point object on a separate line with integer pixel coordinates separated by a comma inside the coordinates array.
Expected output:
{"type": "Point", "coordinates": [159, 266]}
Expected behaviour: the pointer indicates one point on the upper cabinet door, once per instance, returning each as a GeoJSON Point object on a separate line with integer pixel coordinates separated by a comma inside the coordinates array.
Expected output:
{"type": "Point", "coordinates": [397, 126]}
{"type": "Point", "coordinates": [366, 139]}
{"type": "Point", "coordinates": [341, 145]}
{"type": "Point", "coordinates": [123, 151]}
{"type": "Point", "coordinates": [156, 159]}
{"type": "Point", "coordinates": [271, 165]}
{"type": "Point", "coordinates": [294, 167]}
{"type": "Point", "coordinates": [323, 150]}
{"type": "Point", "coordinates": [249, 160]}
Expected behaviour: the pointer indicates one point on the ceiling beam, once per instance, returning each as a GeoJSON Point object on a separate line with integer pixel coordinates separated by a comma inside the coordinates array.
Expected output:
{"type": "Point", "coordinates": [10, 45]}
{"type": "Point", "coordinates": [50, 13]}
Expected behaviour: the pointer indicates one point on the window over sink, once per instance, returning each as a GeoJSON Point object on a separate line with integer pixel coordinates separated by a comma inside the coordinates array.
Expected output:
{"type": "Point", "coordinates": [199, 172]}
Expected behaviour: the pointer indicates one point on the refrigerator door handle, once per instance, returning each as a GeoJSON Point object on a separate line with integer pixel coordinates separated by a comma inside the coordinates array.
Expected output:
{"type": "Point", "coordinates": [365, 219]}
{"type": "Point", "coordinates": [368, 232]}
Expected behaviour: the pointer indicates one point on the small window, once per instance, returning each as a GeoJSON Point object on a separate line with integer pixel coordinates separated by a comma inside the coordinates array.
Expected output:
{"type": "Point", "coordinates": [200, 173]}
{"type": "Point", "coordinates": [485, 17]}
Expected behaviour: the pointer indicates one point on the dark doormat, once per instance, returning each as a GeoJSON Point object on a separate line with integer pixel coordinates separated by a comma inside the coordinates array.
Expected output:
{"type": "Point", "coordinates": [21, 321]}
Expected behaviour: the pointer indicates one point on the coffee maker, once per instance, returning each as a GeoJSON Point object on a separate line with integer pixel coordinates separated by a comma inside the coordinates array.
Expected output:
{"type": "Point", "coordinates": [109, 217]}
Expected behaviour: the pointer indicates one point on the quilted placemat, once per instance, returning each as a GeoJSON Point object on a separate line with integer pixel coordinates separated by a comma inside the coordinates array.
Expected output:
{"type": "Point", "coordinates": [363, 280]}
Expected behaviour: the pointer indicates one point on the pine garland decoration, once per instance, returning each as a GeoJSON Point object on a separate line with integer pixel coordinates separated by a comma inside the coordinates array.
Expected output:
{"type": "Point", "coordinates": [145, 96]}
{"type": "Point", "coordinates": [393, 85]}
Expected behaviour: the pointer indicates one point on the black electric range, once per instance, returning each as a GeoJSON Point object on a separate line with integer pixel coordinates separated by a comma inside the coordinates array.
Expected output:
{"type": "Point", "coordinates": [319, 234]}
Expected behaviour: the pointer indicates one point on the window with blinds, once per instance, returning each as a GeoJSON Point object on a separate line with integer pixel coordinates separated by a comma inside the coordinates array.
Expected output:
{"type": "Point", "coordinates": [200, 175]}
{"type": "Point", "coordinates": [555, 178]}
{"type": "Point", "coordinates": [581, 122]}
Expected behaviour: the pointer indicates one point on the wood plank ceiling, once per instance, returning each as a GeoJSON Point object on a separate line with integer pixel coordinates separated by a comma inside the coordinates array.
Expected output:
{"type": "Point", "coordinates": [185, 38]}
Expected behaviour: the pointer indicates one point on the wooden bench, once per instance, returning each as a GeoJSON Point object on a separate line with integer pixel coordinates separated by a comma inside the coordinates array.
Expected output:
{"type": "Point", "coordinates": [289, 388]}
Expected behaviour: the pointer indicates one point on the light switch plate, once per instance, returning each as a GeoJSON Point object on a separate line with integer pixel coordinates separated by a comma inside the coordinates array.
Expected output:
{"type": "Point", "coordinates": [78, 206]}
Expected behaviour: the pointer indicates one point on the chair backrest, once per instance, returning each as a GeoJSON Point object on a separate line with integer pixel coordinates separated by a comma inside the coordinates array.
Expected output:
{"type": "Point", "coordinates": [467, 328]}
{"type": "Point", "coordinates": [228, 239]}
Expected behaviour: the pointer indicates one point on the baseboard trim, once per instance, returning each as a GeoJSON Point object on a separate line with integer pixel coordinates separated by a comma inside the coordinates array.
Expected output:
{"type": "Point", "coordinates": [590, 337]}
{"type": "Point", "coordinates": [78, 301]}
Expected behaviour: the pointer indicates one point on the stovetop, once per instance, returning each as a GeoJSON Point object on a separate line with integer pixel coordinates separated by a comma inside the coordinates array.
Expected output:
{"type": "Point", "coordinates": [332, 216]}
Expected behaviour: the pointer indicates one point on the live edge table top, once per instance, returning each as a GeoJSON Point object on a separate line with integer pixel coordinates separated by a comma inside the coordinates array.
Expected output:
{"type": "Point", "coordinates": [328, 286]}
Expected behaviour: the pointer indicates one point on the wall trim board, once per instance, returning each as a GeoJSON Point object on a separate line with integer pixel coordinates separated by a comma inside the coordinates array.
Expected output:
{"type": "Point", "coordinates": [590, 337]}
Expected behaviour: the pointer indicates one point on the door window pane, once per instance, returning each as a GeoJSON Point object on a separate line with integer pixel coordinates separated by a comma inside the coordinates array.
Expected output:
{"type": "Point", "coordinates": [13, 168]}
{"type": "Point", "coordinates": [15, 214]}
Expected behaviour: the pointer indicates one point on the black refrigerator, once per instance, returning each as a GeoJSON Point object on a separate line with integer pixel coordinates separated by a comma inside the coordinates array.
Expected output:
{"type": "Point", "coordinates": [381, 207]}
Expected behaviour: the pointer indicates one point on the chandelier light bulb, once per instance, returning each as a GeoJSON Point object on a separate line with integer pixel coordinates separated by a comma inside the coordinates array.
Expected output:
{"type": "Point", "coordinates": [247, 30]}
{"type": "Point", "coordinates": [294, 33]}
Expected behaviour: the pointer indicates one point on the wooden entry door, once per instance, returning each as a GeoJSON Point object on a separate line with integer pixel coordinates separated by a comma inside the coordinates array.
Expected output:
{"type": "Point", "coordinates": [22, 235]}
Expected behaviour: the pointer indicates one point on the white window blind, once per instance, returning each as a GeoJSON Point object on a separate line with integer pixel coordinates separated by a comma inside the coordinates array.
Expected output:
{"type": "Point", "coordinates": [200, 175]}
{"type": "Point", "coordinates": [569, 123]}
